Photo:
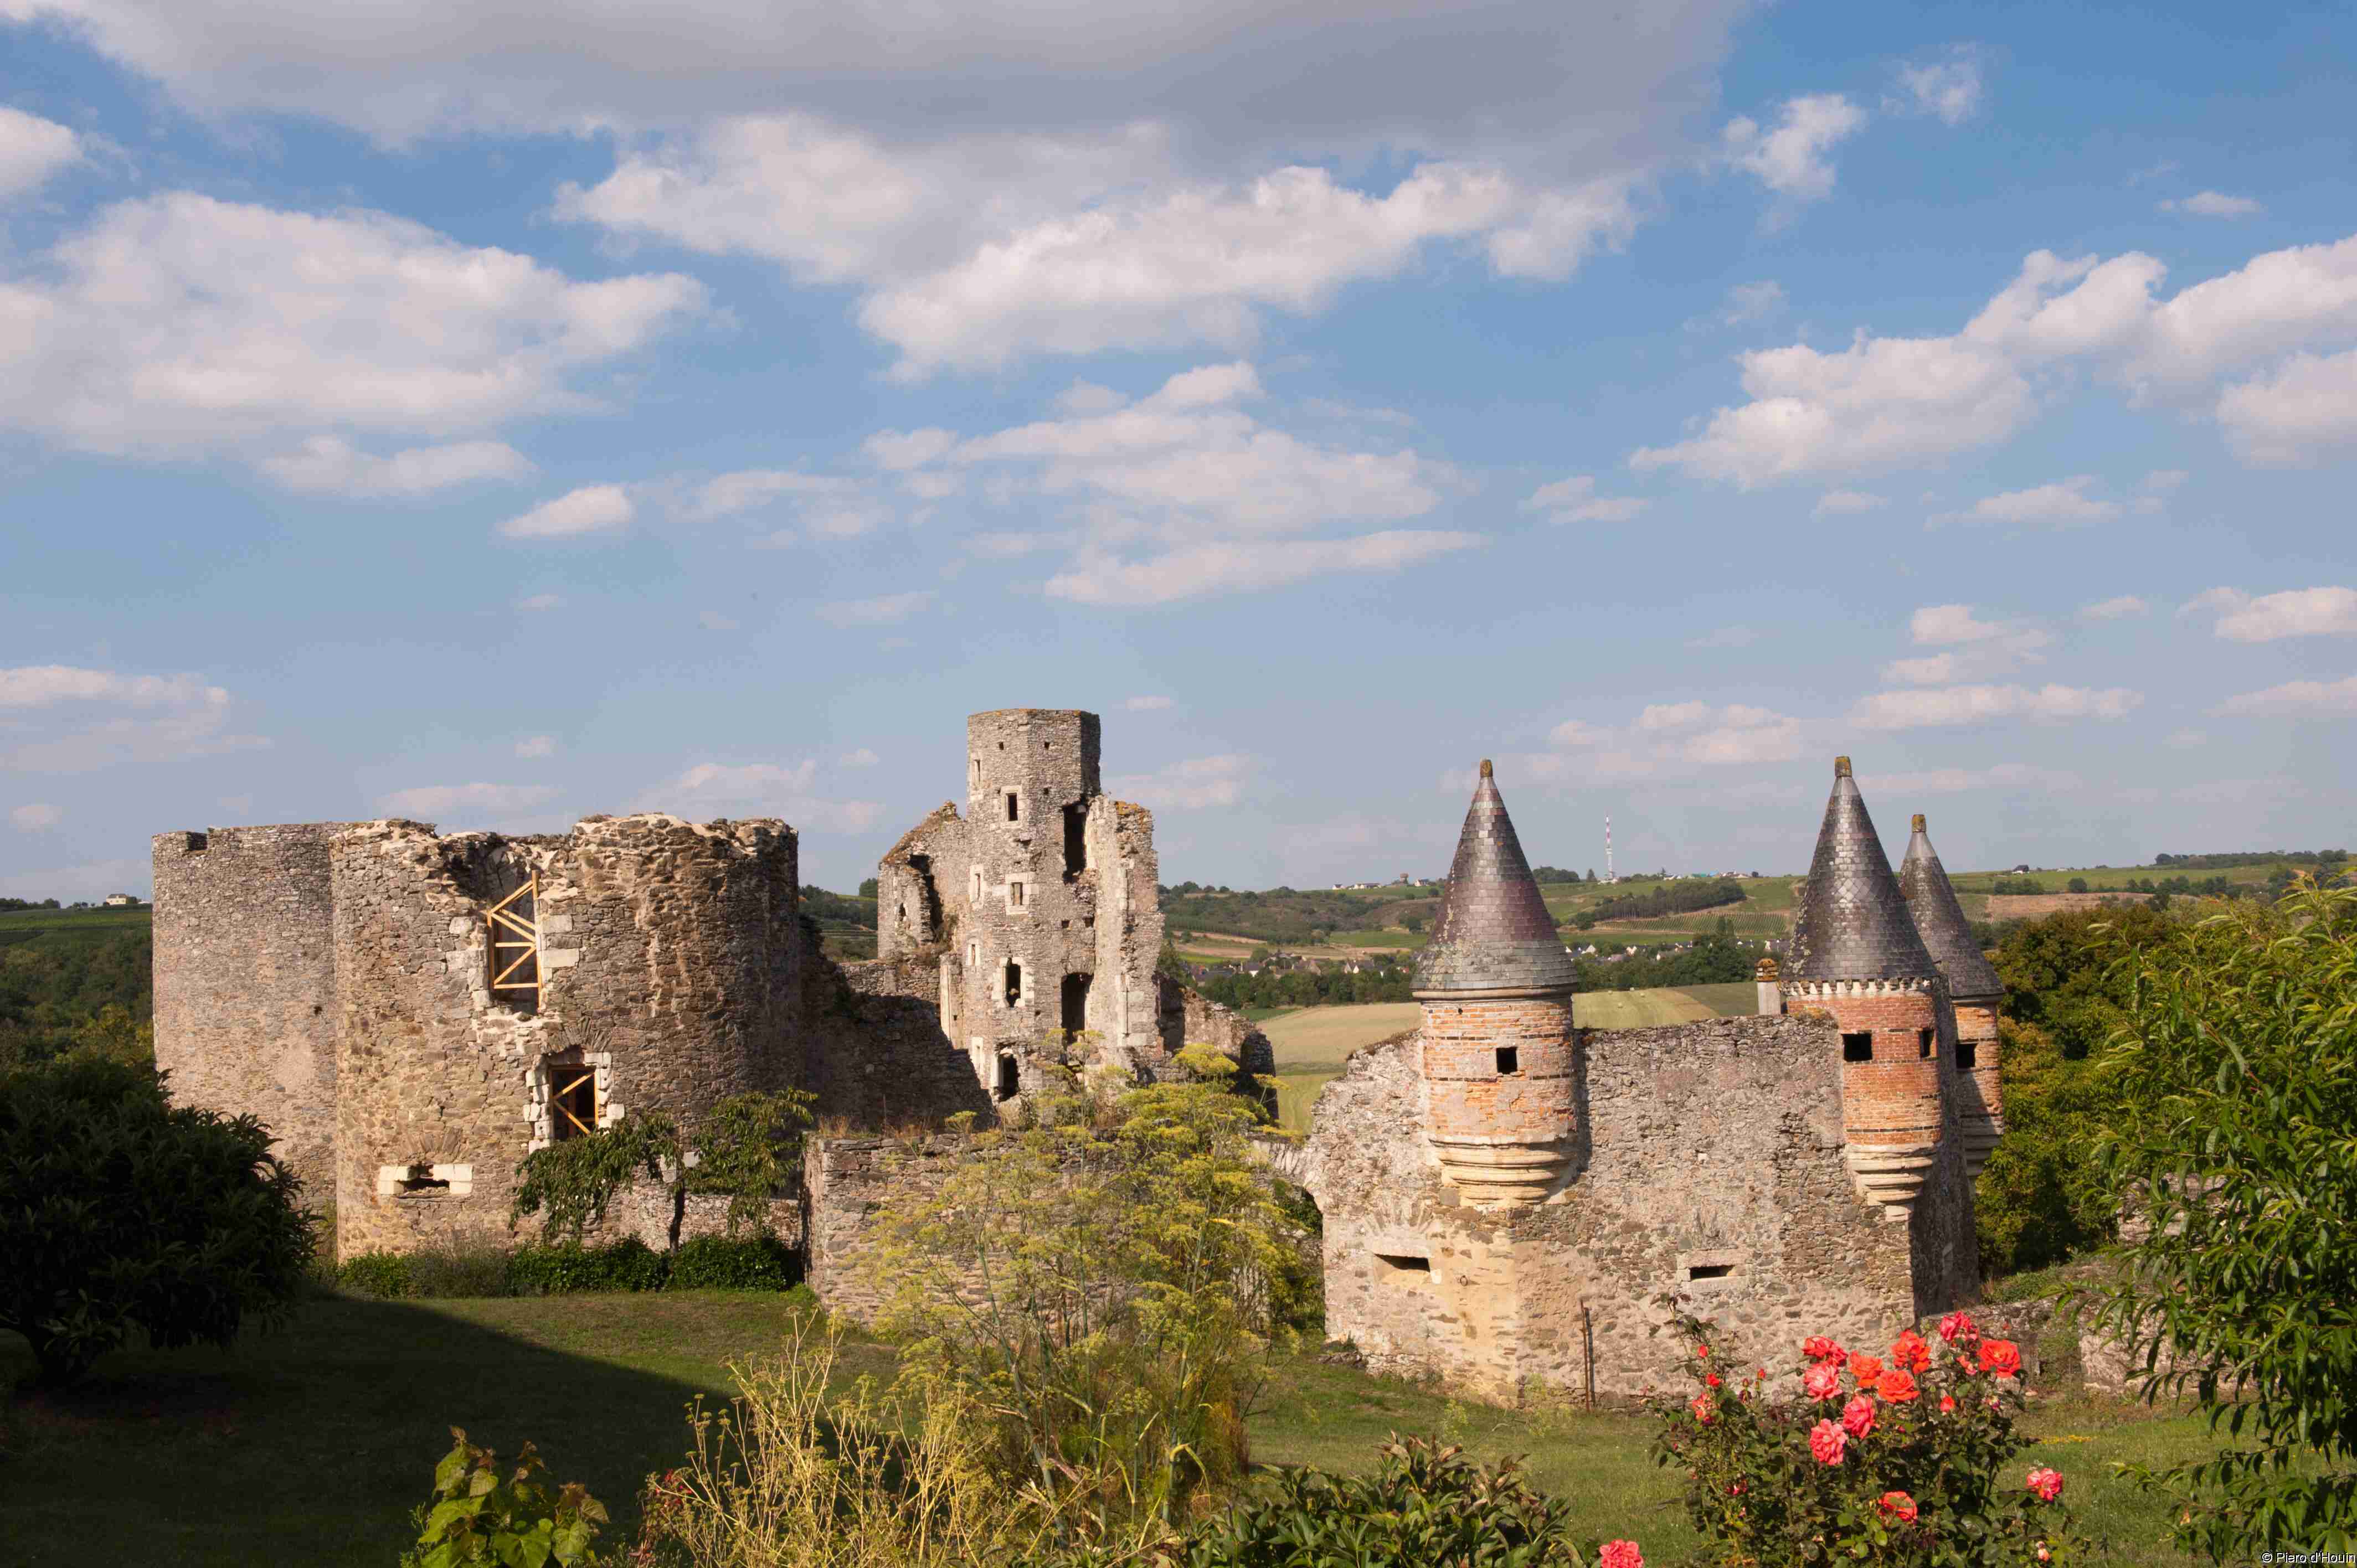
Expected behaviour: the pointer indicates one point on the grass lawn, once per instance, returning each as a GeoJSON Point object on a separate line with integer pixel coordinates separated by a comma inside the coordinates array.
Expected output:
{"type": "Point", "coordinates": [311, 1446]}
{"type": "Point", "coordinates": [1636, 1009]}
{"type": "Point", "coordinates": [1731, 999]}
{"type": "Point", "coordinates": [1310, 1040]}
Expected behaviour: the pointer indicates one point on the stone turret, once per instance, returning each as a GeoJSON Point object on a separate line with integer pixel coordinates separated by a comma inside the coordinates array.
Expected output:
{"type": "Point", "coordinates": [1974, 990]}
{"type": "Point", "coordinates": [1857, 956]}
{"type": "Point", "coordinates": [1500, 1056]}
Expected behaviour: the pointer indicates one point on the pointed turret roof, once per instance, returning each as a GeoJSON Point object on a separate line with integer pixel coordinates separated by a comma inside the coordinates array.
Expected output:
{"type": "Point", "coordinates": [1494, 932]}
{"type": "Point", "coordinates": [1940, 919]}
{"type": "Point", "coordinates": [1852, 923]}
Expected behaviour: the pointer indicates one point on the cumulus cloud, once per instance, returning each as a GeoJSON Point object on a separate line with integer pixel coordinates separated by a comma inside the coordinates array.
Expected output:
{"type": "Point", "coordinates": [1575, 500]}
{"type": "Point", "coordinates": [330, 465]}
{"type": "Point", "coordinates": [1664, 741]}
{"type": "Point", "coordinates": [61, 718]}
{"type": "Point", "coordinates": [1243, 565]}
{"type": "Point", "coordinates": [786, 790]}
{"type": "Point", "coordinates": [180, 322]}
{"type": "Point", "coordinates": [37, 817]}
{"type": "Point", "coordinates": [592, 509]}
{"type": "Point", "coordinates": [2063, 502]}
{"type": "Point", "coordinates": [751, 488]}
{"type": "Point", "coordinates": [1195, 784]}
{"type": "Point", "coordinates": [1975, 650]}
{"type": "Point", "coordinates": [475, 802]}
{"type": "Point", "coordinates": [534, 746]}
{"type": "Point", "coordinates": [2012, 776]}
{"type": "Point", "coordinates": [1884, 401]}
{"type": "Point", "coordinates": [2295, 612]}
{"type": "Point", "coordinates": [2297, 699]}
{"type": "Point", "coordinates": [1939, 705]}
{"type": "Point", "coordinates": [1750, 302]}
{"type": "Point", "coordinates": [1791, 159]}
{"type": "Point", "coordinates": [2114, 609]}
{"type": "Point", "coordinates": [31, 150]}
{"type": "Point", "coordinates": [886, 610]}
{"type": "Point", "coordinates": [2215, 204]}
{"type": "Point", "coordinates": [1951, 88]}
{"type": "Point", "coordinates": [862, 757]}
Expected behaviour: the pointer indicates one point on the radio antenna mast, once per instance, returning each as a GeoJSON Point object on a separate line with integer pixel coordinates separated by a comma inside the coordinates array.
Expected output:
{"type": "Point", "coordinates": [1609, 877]}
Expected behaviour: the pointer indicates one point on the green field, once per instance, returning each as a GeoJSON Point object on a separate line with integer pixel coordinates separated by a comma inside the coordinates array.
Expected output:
{"type": "Point", "coordinates": [310, 1447]}
{"type": "Point", "coordinates": [61, 927]}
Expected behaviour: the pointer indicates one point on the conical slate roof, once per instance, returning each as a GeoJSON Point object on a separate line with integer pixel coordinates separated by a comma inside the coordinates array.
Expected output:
{"type": "Point", "coordinates": [1940, 919]}
{"type": "Point", "coordinates": [1494, 932]}
{"type": "Point", "coordinates": [1853, 924]}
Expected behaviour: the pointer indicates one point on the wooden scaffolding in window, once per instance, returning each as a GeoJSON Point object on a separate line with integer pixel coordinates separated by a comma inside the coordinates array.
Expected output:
{"type": "Point", "coordinates": [514, 923]}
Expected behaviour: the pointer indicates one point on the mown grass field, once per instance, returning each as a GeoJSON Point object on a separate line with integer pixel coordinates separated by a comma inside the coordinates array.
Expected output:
{"type": "Point", "coordinates": [64, 926]}
{"type": "Point", "coordinates": [310, 1447]}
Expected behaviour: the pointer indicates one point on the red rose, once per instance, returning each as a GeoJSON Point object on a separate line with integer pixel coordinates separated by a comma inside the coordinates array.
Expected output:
{"type": "Point", "coordinates": [1701, 1408]}
{"type": "Point", "coordinates": [1899, 1388]}
{"type": "Point", "coordinates": [1947, 1403]}
{"type": "Point", "coordinates": [1817, 1347]}
{"type": "Point", "coordinates": [2001, 1357]}
{"type": "Point", "coordinates": [2046, 1484]}
{"type": "Point", "coordinates": [1821, 1381]}
{"type": "Point", "coordinates": [1711, 1378]}
{"type": "Point", "coordinates": [1864, 1368]}
{"type": "Point", "coordinates": [1858, 1416]}
{"type": "Point", "coordinates": [1898, 1506]}
{"type": "Point", "coordinates": [1912, 1354]}
{"type": "Point", "coordinates": [1826, 1441]}
{"type": "Point", "coordinates": [1702, 1351]}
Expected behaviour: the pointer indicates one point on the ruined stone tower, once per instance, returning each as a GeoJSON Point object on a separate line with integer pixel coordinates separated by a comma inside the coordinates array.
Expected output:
{"type": "Point", "coordinates": [1500, 1058]}
{"type": "Point", "coordinates": [1974, 990]}
{"type": "Point", "coordinates": [1857, 957]}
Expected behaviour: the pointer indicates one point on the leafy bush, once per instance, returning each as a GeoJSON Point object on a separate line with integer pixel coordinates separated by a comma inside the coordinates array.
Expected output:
{"type": "Point", "coordinates": [376, 1274]}
{"type": "Point", "coordinates": [1903, 1462]}
{"type": "Point", "coordinates": [749, 1149]}
{"type": "Point", "coordinates": [2237, 1073]}
{"type": "Point", "coordinates": [480, 1515]}
{"type": "Point", "coordinates": [569, 1268]}
{"type": "Point", "coordinates": [761, 1263]}
{"type": "Point", "coordinates": [1426, 1503]}
{"type": "Point", "coordinates": [123, 1211]}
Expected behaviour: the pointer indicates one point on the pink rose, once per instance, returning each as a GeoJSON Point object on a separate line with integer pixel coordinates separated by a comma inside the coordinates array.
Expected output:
{"type": "Point", "coordinates": [1619, 1554]}
{"type": "Point", "coordinates": [1858, 1416]}
{"type": "Point", "coordinates": [1826, 1442]}
{"type": "Point", "coordinates": [1957, 1325]}
{"type": "Point", "coordinates": [1821, 1381]}
{"type": "Point", "coordinates": [1898, 1506]}
{"type": "Point", "coordinates": [2046, 1484]}
{"type": "Point", "coordinates": [1817, 1347]}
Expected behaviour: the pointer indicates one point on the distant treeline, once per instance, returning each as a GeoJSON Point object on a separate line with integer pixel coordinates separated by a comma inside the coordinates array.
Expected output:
{"type": "Point", "coordinates": [1284, 914]}
{"type": "Point", "coordinates": [1712, 960]}
{"type": "Point", "coordinates": [1676, 898]}
{"type": "Point", "coordinates": [9, 904]}
{"type": "Point", "coordinates": [1552, 874]}
{"type": "Point", "coordinates": [59, 985]}
{"type": "Point", "coordinates": [1303, 988]}
{"type": "Point", "coordinates": [2249, 858]}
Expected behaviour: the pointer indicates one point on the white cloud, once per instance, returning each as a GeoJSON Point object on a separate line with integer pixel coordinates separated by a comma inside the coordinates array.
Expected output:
{"type": "Point", "coordinates": [2317, 699]}
{"type": "Point", "coordinates": [1193, 785]}
{"type": "Point", "coordinates": [767, 788]}
{"type": "Point", "coordinates": [729, 494]}
{"type": "Point", "coordinates": [1938, 625]}
{"type": "Point", "coordinates": [1951, 88]}
{"type": "Point", "coordinates": [533, 745]}
{"type": "Point", "coordinates": [1666, 740]}
{"type": "Point", "coordinates": [330, 465]}
{"type": "Point", "coordinates": [178, 321]}
{"type": "Point", "coordinates": [2063, 502]}
{"type": "Point", "coordinates": [900, 450]}
{"type": "Point", "coordinates": [1791, 160]}
{"type": "Point", "coordinates": [37, 817]}
{"type": "Point", "coordinates": [1243, 565]}
{"type": "Point", "coordinates": [2015, 777]}
{"type": "Point", "coordinates": [1085, 398]}
{"type": "Point", "coordinates": [476, 801]}
{"type": "Point", "coordinates": [1575, 500]}
{"type": "Point", "coordinates": [2114, 609]}
{"type": "Point", "coordinates": [1884, 401]}
{"type": "Point", "coordinates": [1674, 715]}
{"type": "Point", "coordinates": [540, 602]}
{"type": "Point", "coordinates": [592, 509]}
{"type": "Point", "coordinates": [1748, 301]}
{"type": "Point", "coordinates": [2305, 409]}
{"type": "Point", "coordinates": [2295, 612]}
{"type": "Point", "coordinates": [1843, 503]}
{"type": "Point", "coordinates": [2215, 204]}
{"type": "Point", "coordinates": [712, 620]}
{"type": "Point", "coordinates": [1147, 705]}
{"type": "Point", "coordinates": [1934, 706]}
{"type": "Point", "coordinates": [46, 686]}
{"type": "Point", "coordinates": [2164, 482]}
{"type": "Point", "coordinates": [884, 610]}
{"type": "Point", "coordinates": [71, 720]}
{"type": "Point", "coordinates": [1977, 650]}
{"type": "Point", "coordinates": [863, 757]}
{"type": "Point", "coordinates": [31, 150]}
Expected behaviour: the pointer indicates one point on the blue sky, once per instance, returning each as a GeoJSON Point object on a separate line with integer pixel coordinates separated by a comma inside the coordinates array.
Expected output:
{"type": "Point", "coordinates": [498, 414]}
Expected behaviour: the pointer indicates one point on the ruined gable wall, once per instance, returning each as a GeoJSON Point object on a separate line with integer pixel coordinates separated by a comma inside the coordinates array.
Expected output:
{"type": "Point", "coordinates": [1710, 1143]}
{"type": "Point", "coordinates": [920, 885]}
{"type": "Point", "coordinates": [670, 952]}
{"type": "Point", "coordinates": [245, 983]}
{"type": "Point", "coordinates": [879, 1054]}
{"type": "Point", "coordinates": [849, 1179]}
{"type": "Point", "coordinates": [1124, 1004]}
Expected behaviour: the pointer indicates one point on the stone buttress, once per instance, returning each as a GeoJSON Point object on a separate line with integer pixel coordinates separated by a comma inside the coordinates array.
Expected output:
{"type": "Point", "coordinates": [1500, 1054]}
{"type": "Point", "coordinates": [1974, 990]}
{"type": "Point", "coordinates": [1857, 957]}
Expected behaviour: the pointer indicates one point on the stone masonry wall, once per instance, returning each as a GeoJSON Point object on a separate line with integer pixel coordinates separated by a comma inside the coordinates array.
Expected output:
{"type": "Point", "coordinates": [1713, 1166]}
{"type": "Point", "coordinates": [245, 983]}
{"type": "Point", "coordinates": [880, 1055]}
{"type": "Point", "coordinates": [669, 956]}
{"type": "Point", "coordinates": [849, 1179]}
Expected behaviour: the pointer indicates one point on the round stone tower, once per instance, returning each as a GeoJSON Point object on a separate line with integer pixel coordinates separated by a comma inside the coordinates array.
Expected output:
{"type": "Point", "coordinates": [1974, 990]}
{"type": "Point", "coordinates": [1500, 1056]}
{"type": "Point", "coordinates": [1857, 956]}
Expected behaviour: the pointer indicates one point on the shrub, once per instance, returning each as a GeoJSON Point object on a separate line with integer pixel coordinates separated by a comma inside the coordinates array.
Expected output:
{"type": "Point", "coordinates": [629, 1264]}
{"type": "Point", "coordinates": [747, 1149]}
{"type": "Point", "coordinates": [123, 1211]}
{"type": "Point", "coordinates": [480, 1515]}
{"type": "Point", "coordinates": [714, 1262]}
{"type": "Point", "coordinates": [1907, 1461]}
{"type": "Point", "coordinates": [376, 1274]}
{"type": "Point", "coordinates": [458, 1269]}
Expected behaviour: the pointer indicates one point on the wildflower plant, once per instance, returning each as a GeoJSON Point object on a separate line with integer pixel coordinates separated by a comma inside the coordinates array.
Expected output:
{"type": "Point", "coordinates": [1906, 1457]}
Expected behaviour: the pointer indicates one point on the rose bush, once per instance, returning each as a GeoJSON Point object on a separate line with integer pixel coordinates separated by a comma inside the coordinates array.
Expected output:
{"type": "Point", "coordinates": [1906, 1460]}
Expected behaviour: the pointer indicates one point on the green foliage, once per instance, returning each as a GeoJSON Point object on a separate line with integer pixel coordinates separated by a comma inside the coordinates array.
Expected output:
{"type": "Point", "coordinates": [73, 980]}
{"type": "Point", "coordinates": [2015, 887]}
{"type": "Point", "coordinates": [377, 1274]}
{"type": "Point", "coordinates": [1716, 958]}
{"type": "Point", "coordinates": [2062, 973]}
{"type": "Point", "coordinates": [1679, 897]}
{"type": "Point", "coordinates": [761, 1263]}
{"type": "Point", "coordinates": [747, 1149]}
{"type": "Point", "coordinates": [572, 1183]}
{"type": "Point", "coordinates": [121, 1211]}
{"type": "Point", "coordinates": [570, 1268]}
{"type": "Point", "coordinates": [2322, 858]}
{"type": "Point", "coordinates": [1105, 1282]}
{"type": "Point", "coordinates": [2040, 1201]}
{"type": "Point", "coordinates": [484, 1514]}
{"type": "Point", "coordinates": [1906, 1461]}
{"type": "Point", "coordinates": [2236, 1147]}
{"type": "Point", "coordinates": [1311, 988]}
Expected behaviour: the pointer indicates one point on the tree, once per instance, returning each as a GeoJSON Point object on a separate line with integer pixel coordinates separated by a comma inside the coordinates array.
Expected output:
{"type": "Point", "coordinates": [2077, 884]}
{"type": "Point", "coordinates": [124, 1211]}
{"type": "Point", "coordinates": [869, 888]}
{"type": "Point", "coordinates": [2236, 1149]}
{"type": "Point", "coordinates": [748, 1148]}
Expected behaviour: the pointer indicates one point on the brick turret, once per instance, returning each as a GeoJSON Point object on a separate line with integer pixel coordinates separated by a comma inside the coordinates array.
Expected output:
{"type": "Point", "coordinates": [1974, 990]}
{"type": "Point", "coordinates": [1500, 1060]}
{"type": "Point", "coordinates": [1858, 956]}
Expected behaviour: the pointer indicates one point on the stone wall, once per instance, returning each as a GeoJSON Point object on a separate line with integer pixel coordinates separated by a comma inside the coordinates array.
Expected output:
{"type": "Point", "coordinates": [1188, 1017]}
{"type": "Point", "coordinates": [1713, 1166]}
{"type": "Point", "coordinates": [245, 978]}
{"type": "Point", "coordinates": [880, 1055]}
{"type": "Point", "coordinates": [849, 1179]}
{"type": "Point", "coordinates": [669, 956]}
